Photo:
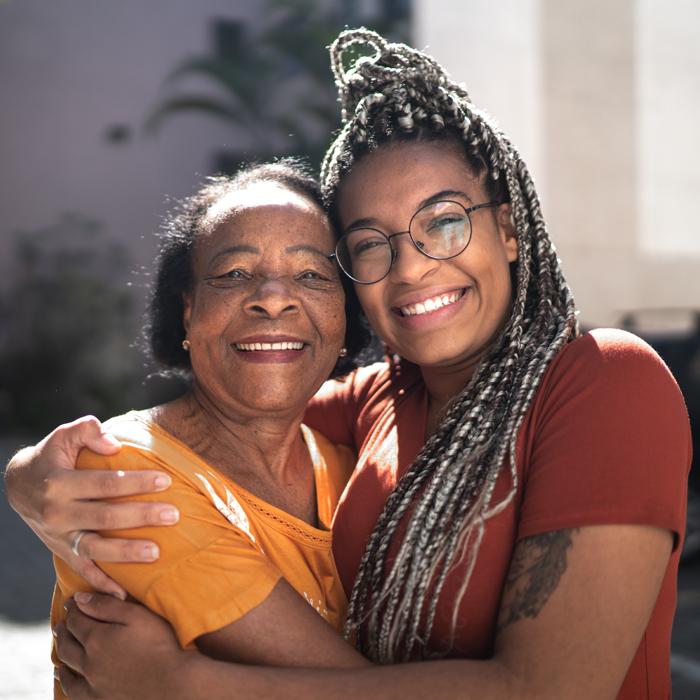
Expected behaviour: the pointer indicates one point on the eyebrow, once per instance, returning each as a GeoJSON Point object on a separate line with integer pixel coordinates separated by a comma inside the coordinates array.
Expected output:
{"type": "Point", "coordinates": [236, 249]}
{"type": "Point", "coordinates": [301, 248]}
{"type": "Point", "coordinates": [438, 196]}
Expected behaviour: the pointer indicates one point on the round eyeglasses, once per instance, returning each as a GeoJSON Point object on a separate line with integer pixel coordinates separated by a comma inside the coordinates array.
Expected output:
{"type": "Point", "coordinates": [440, 230]}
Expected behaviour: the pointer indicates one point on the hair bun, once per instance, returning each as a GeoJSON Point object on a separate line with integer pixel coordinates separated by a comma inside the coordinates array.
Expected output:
{"type": "Point", "coordinates": [391, 66]}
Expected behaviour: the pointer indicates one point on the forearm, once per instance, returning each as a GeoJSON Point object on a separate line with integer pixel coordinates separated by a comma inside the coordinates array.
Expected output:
{"type": "Point", "coordinates": [453, 679]}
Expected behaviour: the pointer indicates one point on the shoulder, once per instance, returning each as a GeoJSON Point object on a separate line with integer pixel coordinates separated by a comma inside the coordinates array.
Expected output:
{"type": "Point", "coordinates": [144, 446]}
{"type": "Point", "coordinates": [614, 362]}
{"type": "Point", "coordinates": [360, 381]}
{"type": "Point", "coordinates": [371, 383]}
{"type": "Point", "coordinates": [607, 438]}
{"type": "Point", "coordinates": [609, 390]}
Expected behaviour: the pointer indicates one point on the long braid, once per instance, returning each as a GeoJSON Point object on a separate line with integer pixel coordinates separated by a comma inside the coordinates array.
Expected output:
{"type": "Point", "coordinates": [446, 495]}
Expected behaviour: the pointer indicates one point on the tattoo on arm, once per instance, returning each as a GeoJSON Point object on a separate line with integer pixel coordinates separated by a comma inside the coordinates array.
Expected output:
{"type": "Point", "coordinates": [537, 566]}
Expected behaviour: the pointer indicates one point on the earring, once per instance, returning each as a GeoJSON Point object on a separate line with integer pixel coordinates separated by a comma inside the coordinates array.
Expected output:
{"type": "Point", "coordinates": [186, 345]}
{"type": "Point", "coordinates": [343, 352]}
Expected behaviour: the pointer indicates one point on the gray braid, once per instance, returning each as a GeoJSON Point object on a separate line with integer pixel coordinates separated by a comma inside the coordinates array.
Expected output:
{"type": "Point", "coordinates": [446, 494]}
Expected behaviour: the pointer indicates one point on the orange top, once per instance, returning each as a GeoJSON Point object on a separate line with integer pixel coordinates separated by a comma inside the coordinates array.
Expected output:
{"type": "Point", "coordinates": [229, 548]}
{"type": "Point", "coordinates": [606, 440]}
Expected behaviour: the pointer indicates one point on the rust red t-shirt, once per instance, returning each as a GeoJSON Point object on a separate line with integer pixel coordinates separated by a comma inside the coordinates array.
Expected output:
{"type": "Point", "coordinates": [606, 441]}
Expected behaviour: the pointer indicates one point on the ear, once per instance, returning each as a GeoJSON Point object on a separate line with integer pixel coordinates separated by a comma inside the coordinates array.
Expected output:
{"type": "Point", "coordinates": [507, 231]}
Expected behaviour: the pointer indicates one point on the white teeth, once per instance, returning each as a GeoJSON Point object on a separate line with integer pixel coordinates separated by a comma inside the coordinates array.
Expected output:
{"type": "Point", "coordinates": [429, 305]}
{"type": "Point", "coordinates": [249, 347]}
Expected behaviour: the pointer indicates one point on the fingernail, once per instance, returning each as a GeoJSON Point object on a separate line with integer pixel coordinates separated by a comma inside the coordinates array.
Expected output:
{"type": "Point", "coordinates": [163, 481]}
{"type": "Point", "coordinates": [149, 552]}
{"type": "Point", "coordinates": [169, 515]}
{"type": "Point", "coordinates": [83, 597]}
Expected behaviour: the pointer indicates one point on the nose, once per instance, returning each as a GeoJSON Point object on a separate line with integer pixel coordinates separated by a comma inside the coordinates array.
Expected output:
{"type": "Point", "coordinates": [410, 265]}
{"type": "Point", "coordinates": [272, 298]}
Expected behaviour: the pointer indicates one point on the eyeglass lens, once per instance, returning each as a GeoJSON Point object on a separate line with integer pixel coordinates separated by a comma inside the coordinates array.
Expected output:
{"type": "Point", "coordinates": [440, 230]}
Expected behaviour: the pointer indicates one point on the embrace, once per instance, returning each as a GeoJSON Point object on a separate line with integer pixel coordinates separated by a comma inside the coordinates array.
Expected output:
{"type": "Point", "coordinates": [494, 511]}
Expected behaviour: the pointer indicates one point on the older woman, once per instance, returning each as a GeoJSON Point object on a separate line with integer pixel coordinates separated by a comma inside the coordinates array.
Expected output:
{"type": "Point", "coordinates": [519, 496]}
{"type": "Point", "coordinates": [248, 300]}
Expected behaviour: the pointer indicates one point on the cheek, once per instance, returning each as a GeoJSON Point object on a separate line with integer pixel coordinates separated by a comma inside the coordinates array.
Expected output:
{"type": "Point", "coordinates": [332, 321]}
{"type": "Point", "coordinates": [370, 297]}
{"type": "Point", "coordinates": [212, 311]}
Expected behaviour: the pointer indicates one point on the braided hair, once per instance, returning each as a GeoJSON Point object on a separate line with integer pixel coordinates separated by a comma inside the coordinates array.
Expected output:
{"type": "Point", "coordinates": [446, 496]}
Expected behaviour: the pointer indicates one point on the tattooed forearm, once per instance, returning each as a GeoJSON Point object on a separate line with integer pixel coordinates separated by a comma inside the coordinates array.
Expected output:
{"type": "Point", "coordinates": [537, 565]}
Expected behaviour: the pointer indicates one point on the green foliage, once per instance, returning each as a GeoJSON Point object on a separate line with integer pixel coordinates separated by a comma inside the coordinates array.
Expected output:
{"type": "Point", "coordinates": [273, 82]}
{"type": "Point", "coordinates": [69, 324]}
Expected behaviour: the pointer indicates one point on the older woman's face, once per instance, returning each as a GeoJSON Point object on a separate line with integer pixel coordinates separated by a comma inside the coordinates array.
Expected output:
{"type": "Point", "coordinates": [265, 317]}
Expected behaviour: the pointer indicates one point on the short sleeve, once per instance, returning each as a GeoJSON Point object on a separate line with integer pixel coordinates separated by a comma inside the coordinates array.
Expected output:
{"type": "Point", "coordinates": [608, 440]}
{"type": "Point", "coordinates": [335, 409]}
{"type": "Point", "coordinates": [209, 573]}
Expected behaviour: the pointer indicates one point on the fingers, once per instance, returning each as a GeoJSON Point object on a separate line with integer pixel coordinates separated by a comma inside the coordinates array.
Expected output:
{"type": "Point", "coordinates": [99, 484]}
{"type": "Point", "coordinates": [104, 608]}
{"type": "Point", "coordinates": [87, 431]}
{"type": "Point", "coordinates": [61, 447]}
{"type": "Point", "coordinates": [105, 549]}
{"type": "Point", "coordinates": [97, 578]}
{"type": "Point", "coordinates": [74, 686]}
{"type": "Point", "coordinates": [99, 515]}
{"type": "Point", "coordinates": [68, 649]}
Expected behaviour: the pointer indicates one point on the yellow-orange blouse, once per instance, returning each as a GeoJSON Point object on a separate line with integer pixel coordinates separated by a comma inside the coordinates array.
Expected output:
{"type": "Point", "coordinates": [229, 548]}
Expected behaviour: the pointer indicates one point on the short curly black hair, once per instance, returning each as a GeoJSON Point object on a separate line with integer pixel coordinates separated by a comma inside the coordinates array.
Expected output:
{"type": "Point", "coordinates": [165, 331]}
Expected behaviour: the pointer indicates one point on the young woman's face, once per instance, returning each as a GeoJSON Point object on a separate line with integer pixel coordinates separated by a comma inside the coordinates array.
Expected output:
{"type": "Point", "coordinates": [266, 315]}
{"type": "Point", "coordinates": [435, 313]}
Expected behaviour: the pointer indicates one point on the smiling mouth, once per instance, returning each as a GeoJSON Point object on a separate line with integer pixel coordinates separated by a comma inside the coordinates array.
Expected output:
{"type": "Point", "coordinates": [269, 347]}
{"type": "Point", "coordinates": [432, 304]}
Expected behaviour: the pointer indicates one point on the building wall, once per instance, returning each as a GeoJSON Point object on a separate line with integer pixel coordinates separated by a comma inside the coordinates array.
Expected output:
{"type": "Point", "coordinates": [71, 69]}
{"type": "Point", "coordinates": [603, 100]}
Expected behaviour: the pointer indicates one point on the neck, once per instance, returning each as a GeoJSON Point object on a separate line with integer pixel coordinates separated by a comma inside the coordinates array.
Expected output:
{"type": "Point", "coordinates": [443, 384]}
{"type": "Point", "coordinates": [245, 445]}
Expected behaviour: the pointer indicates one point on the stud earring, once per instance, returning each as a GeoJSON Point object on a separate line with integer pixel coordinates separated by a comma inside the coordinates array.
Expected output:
{"type": "Point", "coordinates": [186, 345]}
{"type": "Point", "coordinates": [343, 352]}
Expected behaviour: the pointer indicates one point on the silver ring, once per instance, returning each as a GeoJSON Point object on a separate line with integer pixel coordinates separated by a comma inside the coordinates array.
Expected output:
{"type": "Point", "coordinates": [76, 542]}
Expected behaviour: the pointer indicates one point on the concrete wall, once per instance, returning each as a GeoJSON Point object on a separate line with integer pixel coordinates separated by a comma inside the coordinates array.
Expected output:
{"type": "Point", "coordinates": [602, 99]}
{"type": "Point", "coordinates": [70, 69]}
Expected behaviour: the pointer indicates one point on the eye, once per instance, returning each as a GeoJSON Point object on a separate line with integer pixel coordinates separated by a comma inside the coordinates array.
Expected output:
{"type": "Point", "coordinates": [230, 278]}
{"type": "Point", "coordinates": [445, 221]}
{"type": "Point", "coordinates": [311, 275]}
{"type": "Point", "coordinates": [369, 244]}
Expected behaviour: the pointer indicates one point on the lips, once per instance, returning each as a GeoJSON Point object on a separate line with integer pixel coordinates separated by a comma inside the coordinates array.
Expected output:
{"type": "Point", "coordinates": [429, 304]}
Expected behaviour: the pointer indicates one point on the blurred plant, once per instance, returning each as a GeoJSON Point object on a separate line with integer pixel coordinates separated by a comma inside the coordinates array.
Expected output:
{"type": "Point", "coordinates": [69, 322]}
{"type": "Point", "coordinates": [274, 81]}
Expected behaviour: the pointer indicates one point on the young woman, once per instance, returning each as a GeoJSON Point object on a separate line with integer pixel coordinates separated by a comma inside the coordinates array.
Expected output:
{"type": "Point", "coordinates": [520, 489]}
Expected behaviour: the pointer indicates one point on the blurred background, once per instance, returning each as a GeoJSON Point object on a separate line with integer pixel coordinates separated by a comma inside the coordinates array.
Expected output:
{"type": "Point", "coordinates": [110, 111]}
